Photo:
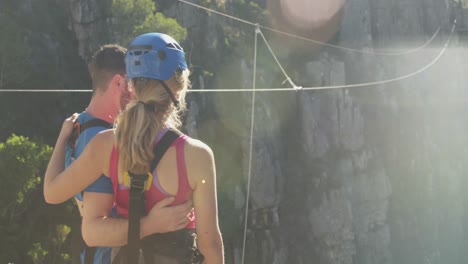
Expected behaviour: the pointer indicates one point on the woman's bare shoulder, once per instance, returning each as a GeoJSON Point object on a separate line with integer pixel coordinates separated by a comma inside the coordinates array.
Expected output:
{"type": "Point", "coordinates": [199, 160]}
{"type": "Point", "coordinates": [197, 149]}
{"type": "Point", "coordinates": [102, 141]}
{"type": "Point", "coordinates": [105, 136]}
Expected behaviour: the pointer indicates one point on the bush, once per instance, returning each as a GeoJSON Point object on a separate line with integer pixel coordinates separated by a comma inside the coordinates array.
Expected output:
{"type": "Point", "coordinates": [32, 231]}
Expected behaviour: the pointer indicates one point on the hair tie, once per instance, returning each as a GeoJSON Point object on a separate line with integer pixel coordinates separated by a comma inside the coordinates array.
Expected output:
{"type": "Point", "coordinates": [149, 106]}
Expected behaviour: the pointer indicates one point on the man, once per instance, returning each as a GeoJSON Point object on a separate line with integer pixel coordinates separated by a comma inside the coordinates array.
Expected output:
{"type": "Point", "coordinates": [110, 95]}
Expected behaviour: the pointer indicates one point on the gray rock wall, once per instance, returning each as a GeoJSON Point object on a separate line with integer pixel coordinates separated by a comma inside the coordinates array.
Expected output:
{"type": "Point", "coordinates": [361, 177]}
{"type": "Point", "coordinates": [88, 20]}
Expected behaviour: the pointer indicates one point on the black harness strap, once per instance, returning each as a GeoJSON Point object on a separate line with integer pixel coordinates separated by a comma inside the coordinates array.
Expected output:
{"type": "Point", "coordinates": [79, 128]}
{"type": "Point", "coordinates": [89, 254]}
{"type": "Point", "coordinates": [137, 199]}
{"type": "Point", "coordinates": [162, 146]}
{"type": "Point", "coordinates": [96, 122]}
{"type": "Point", "coordinates": [135, 210]}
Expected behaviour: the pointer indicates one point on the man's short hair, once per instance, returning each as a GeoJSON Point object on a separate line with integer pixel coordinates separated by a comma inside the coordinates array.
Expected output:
{"type": "Point", "coordinates": [105, 63]}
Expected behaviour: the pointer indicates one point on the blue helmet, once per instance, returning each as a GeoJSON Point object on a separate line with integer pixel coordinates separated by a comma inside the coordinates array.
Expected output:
{"type": "Point", "coordinates": [155, 56]}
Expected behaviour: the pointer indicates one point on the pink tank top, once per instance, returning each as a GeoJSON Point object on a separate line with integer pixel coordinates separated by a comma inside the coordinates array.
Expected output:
{"type": "Point", "coordinates": [155, 193]}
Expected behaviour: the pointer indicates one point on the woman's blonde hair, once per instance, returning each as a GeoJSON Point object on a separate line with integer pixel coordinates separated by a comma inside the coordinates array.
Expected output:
{"type": "Point", "coordinates": [151, 110]}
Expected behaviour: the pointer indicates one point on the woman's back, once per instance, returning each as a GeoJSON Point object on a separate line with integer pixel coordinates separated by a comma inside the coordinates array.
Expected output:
{"type": "Point", "coordinates": [169, 179]}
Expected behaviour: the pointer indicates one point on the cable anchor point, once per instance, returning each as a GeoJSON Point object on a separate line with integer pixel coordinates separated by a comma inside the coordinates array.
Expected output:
{"type": "Point", "coordinates": [257, 28]}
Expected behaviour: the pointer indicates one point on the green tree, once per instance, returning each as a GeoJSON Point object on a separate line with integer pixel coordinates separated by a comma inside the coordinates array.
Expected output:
{"type": "Point", "coordinates": [32, 231]}
{"type": "Point", "coordinates": [133, 18]}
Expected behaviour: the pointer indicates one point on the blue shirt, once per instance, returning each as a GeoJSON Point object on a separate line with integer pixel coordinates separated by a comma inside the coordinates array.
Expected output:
{"type": "Point", "coordinates": [102, 185]}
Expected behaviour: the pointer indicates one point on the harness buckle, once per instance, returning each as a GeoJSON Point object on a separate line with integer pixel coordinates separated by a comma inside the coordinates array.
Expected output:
{"type": "Point", "coordinates": [138, 181]}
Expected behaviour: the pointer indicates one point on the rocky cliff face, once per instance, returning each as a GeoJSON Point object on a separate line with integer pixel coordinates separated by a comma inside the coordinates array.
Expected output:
{"type": "Point", "coordinates": [348, 176]}
{"type": "Point", "coordinates": [51, 61]}
{"type": "Point", "coordinates": [366, 175]}
{"type": "Point", "coordinates": [88, 20]}
{"type": "Point", "coordinates": [380, 187]}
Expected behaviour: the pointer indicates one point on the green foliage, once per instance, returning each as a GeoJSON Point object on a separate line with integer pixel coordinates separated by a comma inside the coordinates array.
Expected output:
{"type": "Point", "coordinates": [20, 164]}
{"type": "Point", "coordinates": [37, 253]}
{"type": "Point", "coordinates": [235, 40]}
{"type": "Point", "coordinates": [25, 237]}
{"type": "Point", "coordinates": [159, 23]}
{"type": "Point", "coordinates": [463, 3]}
{"type": "Point", "coordinates": [250, 11]}
{"type": "Point", "coordinates": [236, 34]}
{"type": "Point", "coordinates": [133, 18]}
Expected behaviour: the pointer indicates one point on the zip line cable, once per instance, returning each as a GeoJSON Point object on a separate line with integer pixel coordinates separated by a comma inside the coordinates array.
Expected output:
{"type": "Point", "coordinates": [378, 53]}
{"type": "Point", "coordinates": [258, 31]}
{"type": "Point", "coordinates": [252, 121]}
{"type": "Point", "coordinates": [345, 86]}
{"type": "Point", "coordinates": [296, 88]}
{"type": "Point", "coordinates": [430, 64]}
{"type": "Point", "coordinates": [44, 91]}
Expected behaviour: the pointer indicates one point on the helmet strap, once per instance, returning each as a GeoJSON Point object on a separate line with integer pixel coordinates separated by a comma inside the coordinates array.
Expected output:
{"type": "Point", "coordinates": [174, 100]}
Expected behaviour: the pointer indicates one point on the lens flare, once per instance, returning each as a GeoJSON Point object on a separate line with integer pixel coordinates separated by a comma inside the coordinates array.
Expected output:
{"type": "Point", "coordinates": [309, 14]}
{"type": "Point", "coordinates": [318, 20]}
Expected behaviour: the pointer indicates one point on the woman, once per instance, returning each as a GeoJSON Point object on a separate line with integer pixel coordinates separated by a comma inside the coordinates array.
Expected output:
{"type": "Point", "coordinates": [158, 76]}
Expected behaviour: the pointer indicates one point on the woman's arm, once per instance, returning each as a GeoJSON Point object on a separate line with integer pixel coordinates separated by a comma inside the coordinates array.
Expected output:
{"type": "Point", "coordinates": [201, 170]}
{"type": "Point", "coordinates": [59, 184]}
{"type": "Point", "coordinates": [100, 229]}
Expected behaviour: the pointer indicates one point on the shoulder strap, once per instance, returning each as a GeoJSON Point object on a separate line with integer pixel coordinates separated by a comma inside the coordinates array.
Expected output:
{"type": "Point", "coordinates": [136, 196]}
{"type": "Point", "coordinates": [89, 253]}
{"type": "Point", "coordinates": [162, 146]}
{"type": "Point", "coordinates": [79, 128]}
{"type": "Point", "coordinates": [96, 122]}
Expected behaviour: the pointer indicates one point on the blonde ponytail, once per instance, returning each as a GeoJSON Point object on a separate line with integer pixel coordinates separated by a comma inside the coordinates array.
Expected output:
{"type": "Point", "coordinates": [149, 112]}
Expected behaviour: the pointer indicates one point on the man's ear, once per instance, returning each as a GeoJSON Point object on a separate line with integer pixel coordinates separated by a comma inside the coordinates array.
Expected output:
{"type": "Point", "coordinates": [118, 81]}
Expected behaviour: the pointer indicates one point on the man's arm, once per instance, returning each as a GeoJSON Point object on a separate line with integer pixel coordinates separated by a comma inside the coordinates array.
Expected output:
{"type": "Point", "coordinates": [100, 229]}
